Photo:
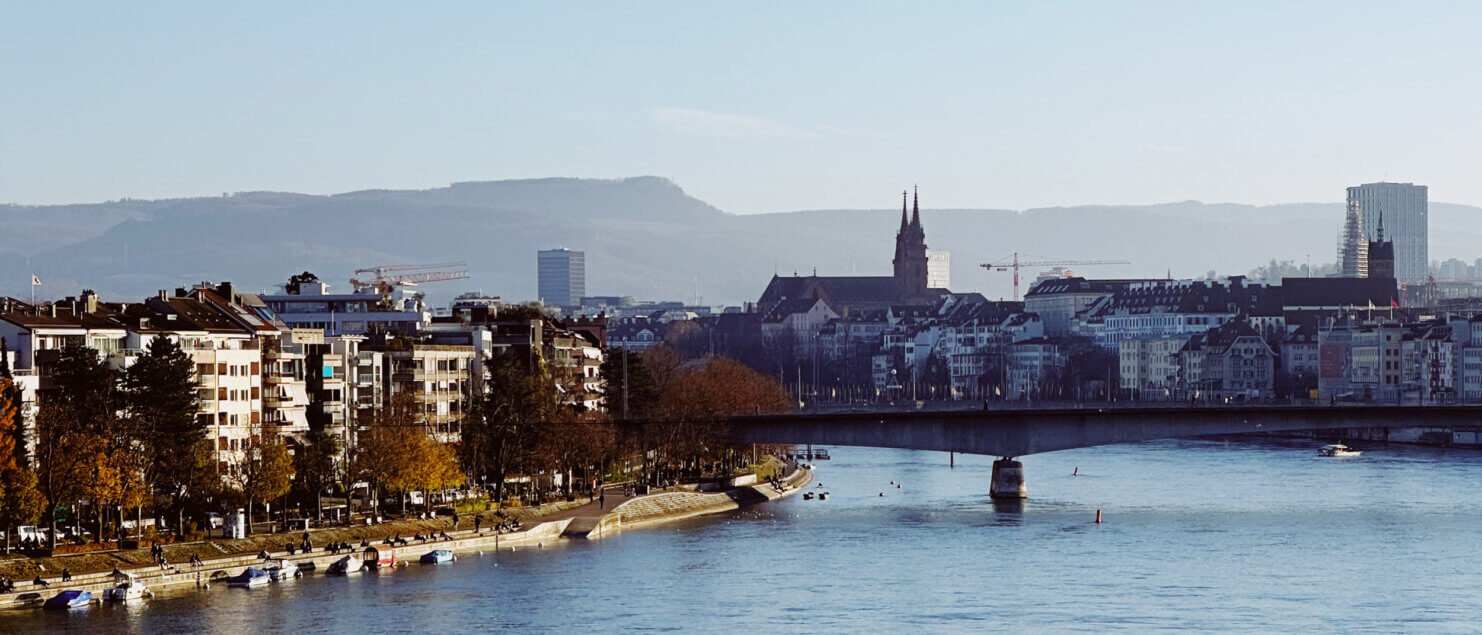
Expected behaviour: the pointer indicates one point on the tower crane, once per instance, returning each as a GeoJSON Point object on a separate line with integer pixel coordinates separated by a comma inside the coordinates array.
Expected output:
{"type": "Point", "coordinates": [387, 276]}
{"type": "Point", "coordinates": [1014, 264]}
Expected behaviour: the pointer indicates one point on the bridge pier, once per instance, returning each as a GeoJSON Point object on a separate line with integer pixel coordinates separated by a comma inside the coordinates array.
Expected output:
{"type": "Point", "coordinates": [1008, 480]}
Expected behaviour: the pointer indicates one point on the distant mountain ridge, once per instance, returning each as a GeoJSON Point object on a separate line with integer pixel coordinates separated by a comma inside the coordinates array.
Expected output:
{"type": "Point", "coordinates": [644, 236]}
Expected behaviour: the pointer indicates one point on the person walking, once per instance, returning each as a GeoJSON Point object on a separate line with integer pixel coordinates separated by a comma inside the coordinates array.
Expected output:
{"type": "Point", "coordinates": [602, 500]}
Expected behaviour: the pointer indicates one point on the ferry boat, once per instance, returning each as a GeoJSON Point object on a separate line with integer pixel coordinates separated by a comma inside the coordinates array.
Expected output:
{"type": "Point", "coordinates": [437, 556]}
{"type": "Point", "coordinates": [1337, 449]}
{"type": "Point", "coordinates": [69, 599]}
{"type": "Point", "coordinates": [249, 577]}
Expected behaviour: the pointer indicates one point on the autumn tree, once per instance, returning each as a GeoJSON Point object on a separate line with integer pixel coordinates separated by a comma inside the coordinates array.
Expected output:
{"type": "Point", "coordinates": [266, 469]}
{"type": "Point", "coordinates": [383, 451]}
{"type": "Point", "coordinates": [20, 503]}
{"type": "Point", "coordinates": [79, 431]}
{"type": "Point", "coordinates": [11, 393]}
{"type": "Point", "coordinates": [696, 400]}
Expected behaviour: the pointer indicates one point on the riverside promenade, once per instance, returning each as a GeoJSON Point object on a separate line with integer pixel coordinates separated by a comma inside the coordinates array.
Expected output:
{"type": "Point", "coordinates": [541, 527]}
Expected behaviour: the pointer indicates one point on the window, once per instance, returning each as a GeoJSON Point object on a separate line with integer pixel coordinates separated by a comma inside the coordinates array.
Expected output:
{"type": "Point", "coordinates": [221, 394]}
{"type": "Point", "coordinates": [203, 370]}
{"type": "Point", "coordinates": [256, 417]}
{"type": "Point", "coordinates": [256, 393]}
{"type": "Point", "coordinates": [221, 443]}
{"type": "Point", "coordinates": [256, 368]}
{"type": "Point", "coordinates": [221, 368]}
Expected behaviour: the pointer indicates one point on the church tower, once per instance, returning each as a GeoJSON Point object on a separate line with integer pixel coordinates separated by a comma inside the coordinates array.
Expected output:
{"type": "Point", "coordinates": [1381, 254]}
{"type": "Point", "coordinates": [910, 252]}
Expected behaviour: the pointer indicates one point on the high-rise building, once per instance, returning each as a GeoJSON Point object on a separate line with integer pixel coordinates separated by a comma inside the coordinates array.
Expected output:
{"type": "Point", "coordinates": [1353, 247]}
{"type": "Point", "coordinates": [562, 276]}
{"type": "Point", "coordinates": [938, 269]}
{"type": "Point", "coordinates": [1405, 209]}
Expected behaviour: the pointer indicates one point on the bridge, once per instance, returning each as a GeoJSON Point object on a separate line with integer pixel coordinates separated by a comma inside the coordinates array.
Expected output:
{"type": "Point", "coordinates": [1015, 432]}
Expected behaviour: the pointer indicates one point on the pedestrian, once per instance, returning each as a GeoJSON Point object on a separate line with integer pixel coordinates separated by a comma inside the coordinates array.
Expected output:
{"type": "Point", "coordinates": [66, 574]}
{"type": "Point", "coordinates": [478, 520]}
{"type": "Point", "coordinates": [602, 500]}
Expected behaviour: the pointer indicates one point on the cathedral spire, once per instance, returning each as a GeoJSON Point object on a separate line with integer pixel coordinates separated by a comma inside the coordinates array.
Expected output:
{"type": "Point", "coordinates": [915, 207]}
{"type": "Point", "coordinates": [1381, 226]}
{"type": "Point", "coordinates": [903, 209]}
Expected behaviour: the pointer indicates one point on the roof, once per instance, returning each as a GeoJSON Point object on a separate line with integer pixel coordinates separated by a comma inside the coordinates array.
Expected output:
{"type": "Point", "coordinates": [842, 293]}
{"type": "Point", "coordinates": [1059, 286]}
{"type": "Point", "coordinates": [1338, 292]}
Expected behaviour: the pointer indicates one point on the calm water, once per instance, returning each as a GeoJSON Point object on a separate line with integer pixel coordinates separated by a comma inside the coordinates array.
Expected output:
{"type": "Point", "coordinates": [1205, 535]}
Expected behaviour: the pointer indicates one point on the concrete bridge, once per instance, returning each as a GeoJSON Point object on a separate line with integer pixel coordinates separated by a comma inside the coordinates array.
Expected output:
{"type": "Point", "coordinates": [1016, 432]}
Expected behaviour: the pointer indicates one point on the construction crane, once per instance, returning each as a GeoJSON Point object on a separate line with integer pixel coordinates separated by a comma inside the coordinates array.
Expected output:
{"type": "Point", "coordinates": [1015, 264]}
{"type": "Point", "coordinates": [387, 276]}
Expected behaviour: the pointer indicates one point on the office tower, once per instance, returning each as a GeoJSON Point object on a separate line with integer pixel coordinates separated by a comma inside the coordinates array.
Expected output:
{"type": "Point", "coordinates": [562, 276]}
{"type": "Point", "coordinates": [938, 269]}
{"type": "Point", "coordinates": [1405, 209]}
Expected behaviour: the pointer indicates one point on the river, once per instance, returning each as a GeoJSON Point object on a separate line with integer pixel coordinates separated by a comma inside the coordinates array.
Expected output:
{"type": "Point", "coordinates": [1246, 534]}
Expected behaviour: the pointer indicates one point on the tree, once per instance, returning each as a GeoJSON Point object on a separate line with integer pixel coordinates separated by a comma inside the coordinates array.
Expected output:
{"type": "Point", "coordinates": [383, 451]}
{"type": "Point", "coordinates": [78, 428]}
{"type": "Point", "coordinates": [20, 503]}
{"type": "Point", "coordinates": [628, 386]}
{"type": "Point", "coordinates": [10, 393]}
{"type": "Point", "coordinates": [501, 434]}
{"type": "Point", "coordinates": [162, 404]}
{"type": "Point", "coordinates": [266, 470]}
{"type": "Point", "coordinates": [694, 403]}
{"type": "Point", "coordinates": [65, 452]}
{"type": "Point", "coordinates": [314, 467]}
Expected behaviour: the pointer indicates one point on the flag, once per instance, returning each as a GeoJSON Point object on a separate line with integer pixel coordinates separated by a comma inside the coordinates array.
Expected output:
{"type": "Point", "coordinates": [35, 281]}
{"type": "Point", "coordinates": [1371, 305]}
{"type": "Point", "coordinates": [1394, 304]}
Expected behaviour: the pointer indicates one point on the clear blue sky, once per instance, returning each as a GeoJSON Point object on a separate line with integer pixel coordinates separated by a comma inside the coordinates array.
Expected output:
{"type": "Point", "coordinates": [750, 106]}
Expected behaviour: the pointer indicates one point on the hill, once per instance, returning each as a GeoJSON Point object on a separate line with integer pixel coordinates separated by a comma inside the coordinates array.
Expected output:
{"type": "Point", "coordinates": [644, 236]}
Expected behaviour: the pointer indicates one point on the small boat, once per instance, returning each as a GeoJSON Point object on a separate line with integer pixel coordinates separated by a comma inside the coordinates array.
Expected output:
{"type": "Point", "coordinates": [127, 588]}
{"type": "Point", "coordinates": [68, 599]}
{"type": "Point", "coordinates": [807, 496]}
{"type": "Point", "coordinates": [1337, 449]}
{"type": "Point", "coordinates": [249, 577]}
{"type": "Point", "coordinates": [820, 455]}
{"type": "Point", "coordinates": [279, 570]}
{"type": "Point", "coordinates": [437, 556]}
{"type": "Point", "coordinates": [823, 496]}
{"type": "Point", "coordinates": [347, 565]}
{"type": "Point", "coordinates": [375, 559]}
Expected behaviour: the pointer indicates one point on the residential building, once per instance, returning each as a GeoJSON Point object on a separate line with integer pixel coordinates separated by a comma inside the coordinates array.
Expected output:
{"type": "Point", "coordinates": [938, 269]}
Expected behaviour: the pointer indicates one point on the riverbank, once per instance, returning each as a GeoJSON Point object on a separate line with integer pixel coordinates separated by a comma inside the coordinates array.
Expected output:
{"type": "Point", "coordinates": [221, 558]}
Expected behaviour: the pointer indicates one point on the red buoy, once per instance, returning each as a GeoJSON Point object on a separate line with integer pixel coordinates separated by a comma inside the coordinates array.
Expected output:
{"type": "Point", "coordinates": [1098, 517]}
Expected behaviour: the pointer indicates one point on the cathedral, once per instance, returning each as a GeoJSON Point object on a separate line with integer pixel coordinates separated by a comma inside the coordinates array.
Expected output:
{"type": "Point", "coordinates": [852, 294]}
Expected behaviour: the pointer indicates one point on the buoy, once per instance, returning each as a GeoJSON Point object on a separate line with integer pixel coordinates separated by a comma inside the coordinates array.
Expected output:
{"type": "Point", "coordinates": [882, 493]}
{"type": "Point", "coordinates": [1077, 472]}
{"type": "Point", "coordinates": [897, 485]}
{"type": "Point", "coordinates": [1098, 517]}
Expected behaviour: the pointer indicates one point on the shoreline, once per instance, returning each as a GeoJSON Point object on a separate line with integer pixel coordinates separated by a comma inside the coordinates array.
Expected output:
{"type": "Point", "coordinates": [672, 506]}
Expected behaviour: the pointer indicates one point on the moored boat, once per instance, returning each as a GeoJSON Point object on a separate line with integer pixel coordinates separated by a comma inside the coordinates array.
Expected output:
{"type": "Point", "coordinates": [1338, 450]}
{"type": "Point", "coordinates": [68, 599]}
{"type": "Point", "coordinates": [437, 556]}
{"type": "Point", "coordinates": [347, 565]}
{"type": "Point", "coordinates": [279, 570]}
{"type": "Point", "coordinates": [249, 577]}
{"type": "Point", "coordinates": [127, 588]}
{"type": "Point", "coordinates": [377, 559]}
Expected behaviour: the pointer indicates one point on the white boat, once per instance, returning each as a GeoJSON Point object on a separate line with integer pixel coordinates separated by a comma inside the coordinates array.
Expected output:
{"type": "Point", "coordinates": [249, 577]}
{"type": "Point", "coordinates": [128, 588]}
{"type": "Point", "coordinates": [437, 556]}
{"type": "Point", "coordinates": [280, 570]}
{"type": "Point", "coordinates": [347, 565]}
{"type": "Point", "coordinates": [1337, 449]}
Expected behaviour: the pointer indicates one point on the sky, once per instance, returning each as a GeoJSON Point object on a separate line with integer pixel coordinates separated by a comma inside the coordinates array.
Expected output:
{"type": "Point", "coordinates": [752, 107]}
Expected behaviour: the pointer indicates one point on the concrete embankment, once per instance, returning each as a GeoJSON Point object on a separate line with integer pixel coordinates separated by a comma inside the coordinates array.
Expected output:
{"type": "Point", "coordinates": [646, 510]}
{"type": "Point", "coordinates": [671, 506]}
{"type": "Point", "coordinates": [214, 569]}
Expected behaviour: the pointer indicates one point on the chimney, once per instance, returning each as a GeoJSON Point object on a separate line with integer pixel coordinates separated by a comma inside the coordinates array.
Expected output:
{"type": "Point", "coordinates": [225, 290]}
{"type": "Point", "coordinates": [179, 292]}
{"type": "Point", "coordinates": [89, 301]}
{"type": "Point", "coordinates": [164, 295]}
